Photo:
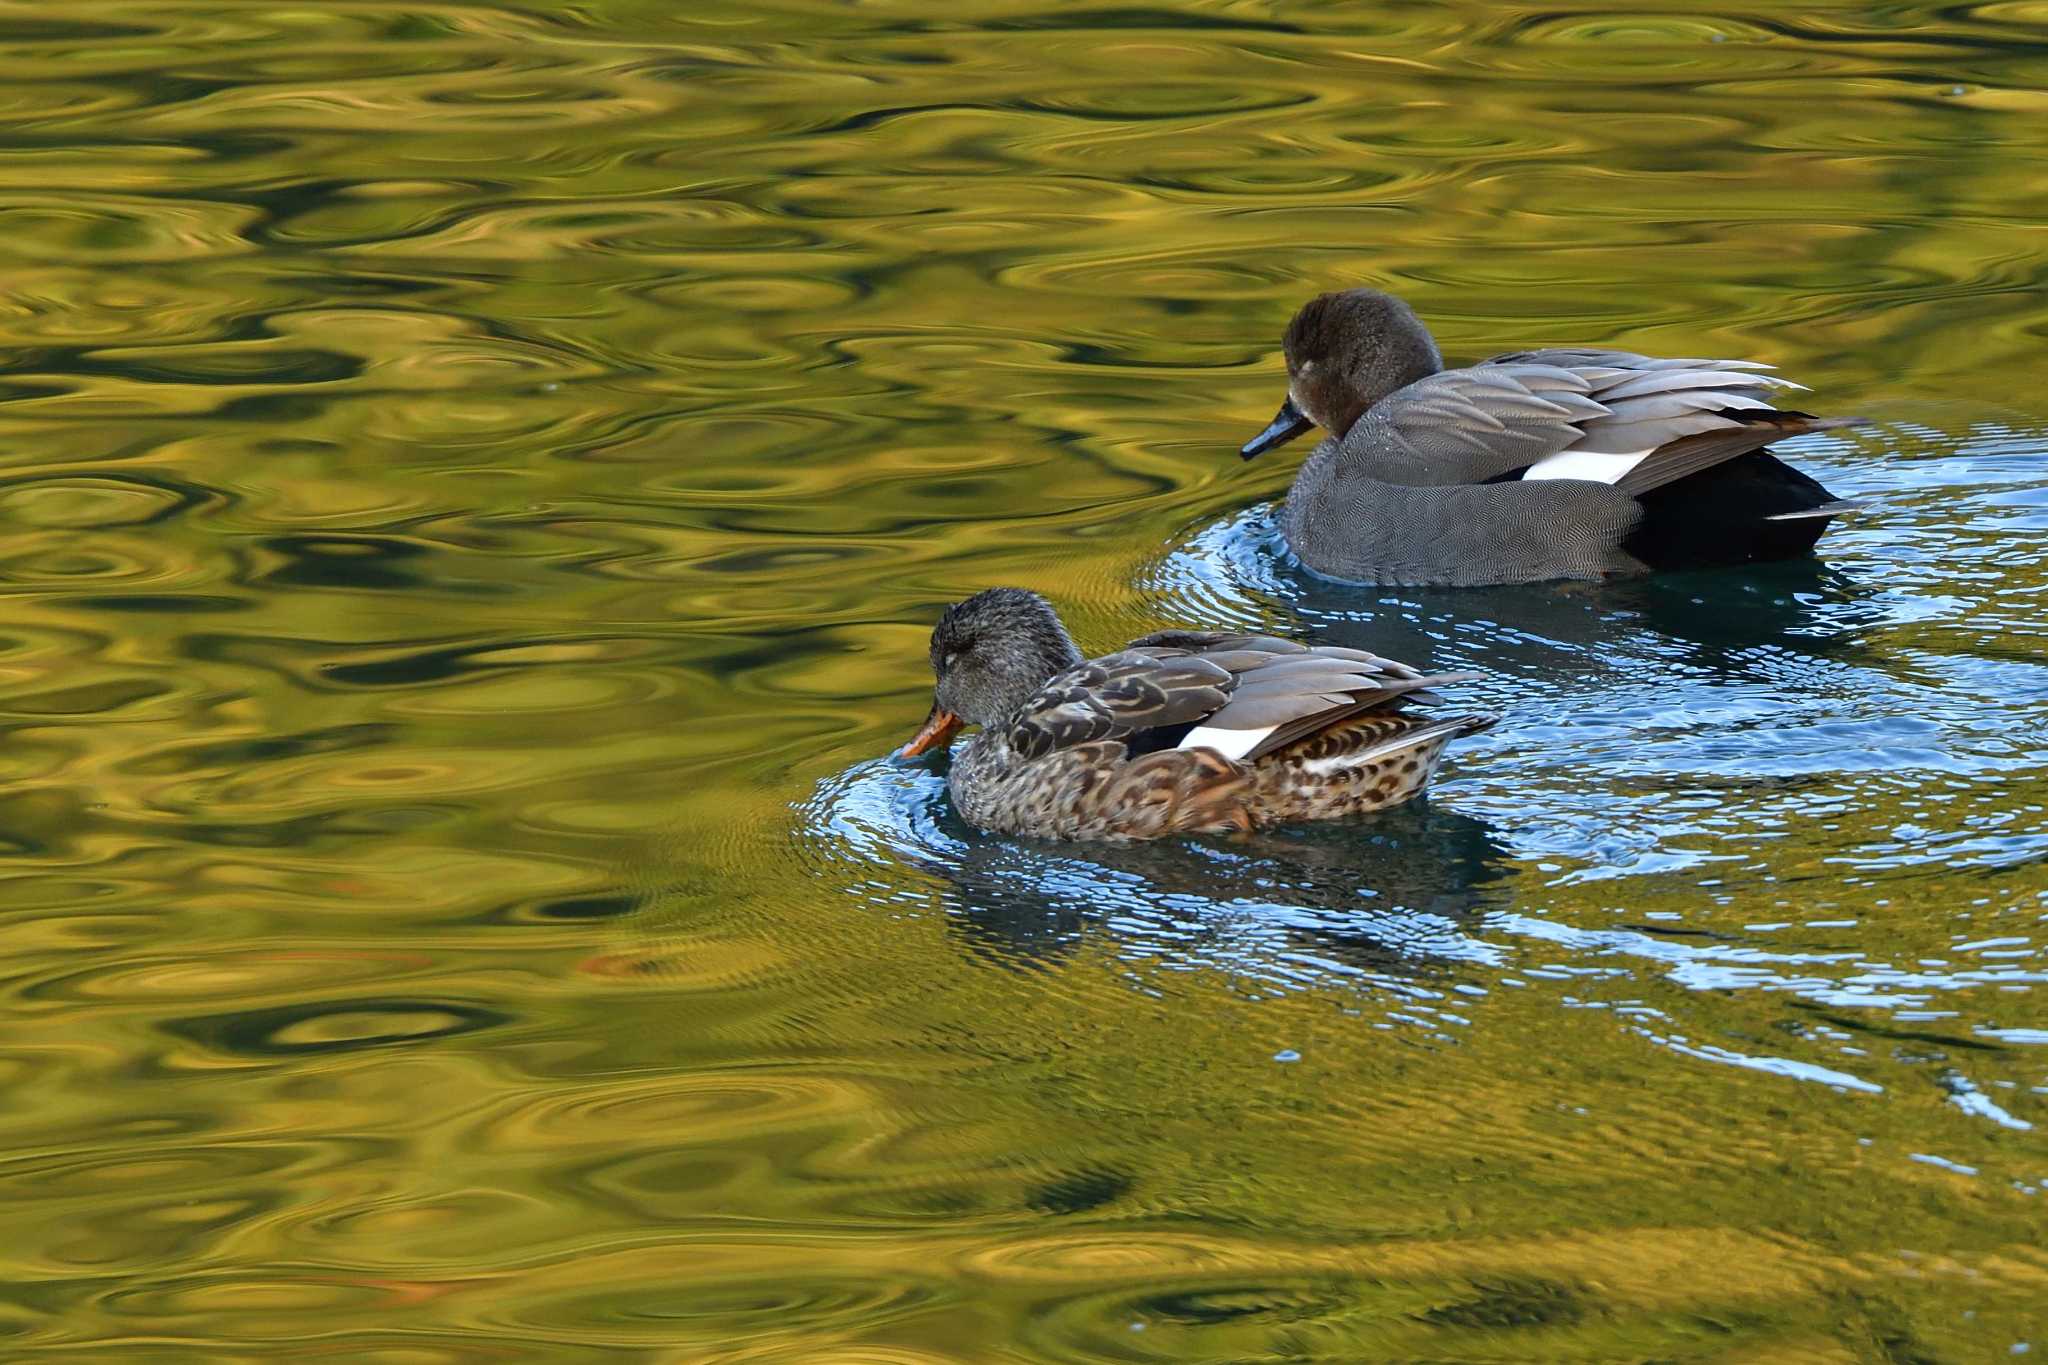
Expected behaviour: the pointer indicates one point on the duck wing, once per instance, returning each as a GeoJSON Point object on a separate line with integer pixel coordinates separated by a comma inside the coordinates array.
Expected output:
{"type": "Point", "coordinates": [1116, 697]}
{"type": "Point", "coordinates": [1601, 357]}
{"type": "Point", "coordinates": [1240, 696]}
{"type": "Point", "coordinates": [1614, 417]}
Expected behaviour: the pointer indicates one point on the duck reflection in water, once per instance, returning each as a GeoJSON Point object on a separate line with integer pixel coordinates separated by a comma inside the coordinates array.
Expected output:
{"type": "Point", "coordinates": [1388, 895]}
{"type": "Point", "coordinates": [1745, 625]}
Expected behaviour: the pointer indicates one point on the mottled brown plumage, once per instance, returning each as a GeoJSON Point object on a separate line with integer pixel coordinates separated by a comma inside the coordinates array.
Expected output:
{"type": "Point", "coordinates": [1179, 732]}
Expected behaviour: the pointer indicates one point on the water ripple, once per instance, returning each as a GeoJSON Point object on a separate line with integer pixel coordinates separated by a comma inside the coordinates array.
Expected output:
{"type": "Point", "coordinates": [478, 478]}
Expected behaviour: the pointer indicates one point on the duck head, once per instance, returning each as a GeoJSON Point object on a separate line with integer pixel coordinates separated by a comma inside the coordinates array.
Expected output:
{"type": "Point", "coordinates": [990, 654]}
{"type": "Point", "coordinates": [1345, 352]}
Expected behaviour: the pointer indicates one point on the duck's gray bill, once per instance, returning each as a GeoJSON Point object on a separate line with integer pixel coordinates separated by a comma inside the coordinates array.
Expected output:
{"type": "Point", "coordinates": [1289, 424]}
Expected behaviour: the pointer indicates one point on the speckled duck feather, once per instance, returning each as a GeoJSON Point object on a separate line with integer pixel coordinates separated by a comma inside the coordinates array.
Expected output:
{"type": "Point", "coordinates": [1094, 752]}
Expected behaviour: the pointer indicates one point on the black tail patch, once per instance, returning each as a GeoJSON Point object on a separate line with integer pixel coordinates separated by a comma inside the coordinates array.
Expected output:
{"type": "Point", "coordinates": [1720, 515]}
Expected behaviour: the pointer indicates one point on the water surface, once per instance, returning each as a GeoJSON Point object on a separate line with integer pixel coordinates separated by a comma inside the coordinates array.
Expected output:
{"type": "Point", "coordinates": [477, 480]}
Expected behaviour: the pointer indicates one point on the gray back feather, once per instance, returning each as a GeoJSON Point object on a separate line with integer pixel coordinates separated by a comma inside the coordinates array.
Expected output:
{"type": "Point", "coordinates": [1471, 425]}
{"type": "Point", "coordinates": [1232, 682]}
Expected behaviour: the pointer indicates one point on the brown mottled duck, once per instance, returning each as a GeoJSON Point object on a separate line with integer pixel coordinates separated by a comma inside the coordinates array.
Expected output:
{"type": "Point", "coordinates": [1180, 732]}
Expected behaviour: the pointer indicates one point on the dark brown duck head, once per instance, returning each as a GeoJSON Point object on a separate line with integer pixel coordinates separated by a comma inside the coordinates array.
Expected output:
{"type": "Point", "coordinates": [1345, 352]}
{"type": "Point", "coordinates": [990, 654]}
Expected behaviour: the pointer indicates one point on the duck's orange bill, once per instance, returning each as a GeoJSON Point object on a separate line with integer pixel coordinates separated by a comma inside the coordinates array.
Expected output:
{"type": "Point", "coordinates": [939, 727]}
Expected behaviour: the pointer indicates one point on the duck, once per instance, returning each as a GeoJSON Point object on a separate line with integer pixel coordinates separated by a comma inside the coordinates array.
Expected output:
{"type": "Point", "coordinates": [1179, 732]}
{"type": "Point", "coordinates": [1559, 463]}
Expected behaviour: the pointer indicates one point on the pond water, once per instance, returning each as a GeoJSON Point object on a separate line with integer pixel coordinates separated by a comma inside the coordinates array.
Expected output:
{"type": "Point", "coordinates": [477, 482]}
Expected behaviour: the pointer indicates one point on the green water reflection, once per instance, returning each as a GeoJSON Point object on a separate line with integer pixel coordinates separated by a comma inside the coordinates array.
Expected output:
{"type": "Point", "coordinates": [477, 479]}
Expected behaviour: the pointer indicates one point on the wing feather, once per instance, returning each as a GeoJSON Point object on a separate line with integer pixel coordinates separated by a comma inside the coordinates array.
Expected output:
{"type": "Point", "coordinates": [1241, 696]}
{"type": "Point", "coordinates": [1577, 413]}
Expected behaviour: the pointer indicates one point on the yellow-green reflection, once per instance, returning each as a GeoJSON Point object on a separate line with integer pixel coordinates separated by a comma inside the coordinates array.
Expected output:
{"type": "Point", "coordinates": [477, 479]}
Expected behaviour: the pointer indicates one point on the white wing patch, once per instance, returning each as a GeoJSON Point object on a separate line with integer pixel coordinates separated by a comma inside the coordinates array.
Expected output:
{"type": "Point", "coordinates": [1232, 744]}
{"type": "Point", "coordinates": [1580, 464]}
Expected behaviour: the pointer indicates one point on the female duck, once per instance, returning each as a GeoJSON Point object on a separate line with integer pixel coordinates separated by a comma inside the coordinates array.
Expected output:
{"type": "Point", "coordinates": [1537, 464]}
{"type": "Point", "coordinates": [1181, 732]}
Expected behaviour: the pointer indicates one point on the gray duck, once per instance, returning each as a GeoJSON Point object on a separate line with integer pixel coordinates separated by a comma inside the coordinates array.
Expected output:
{"type": "Point", "coordinates": [1180, 732]}
{"type": "Point", "coordinates": [1558, 463]}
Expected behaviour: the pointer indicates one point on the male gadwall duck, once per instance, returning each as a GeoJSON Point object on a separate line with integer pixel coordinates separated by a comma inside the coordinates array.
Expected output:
{"type": "Point", "coordinates": [1568, 463]}
{"type": "Point", "coordinates": [1181, 732]}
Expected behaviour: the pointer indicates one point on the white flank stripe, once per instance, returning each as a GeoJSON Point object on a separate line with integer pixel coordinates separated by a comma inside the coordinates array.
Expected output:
{"type": "Point", "coordinates": [1839, 507]}
{"type": "Point", "coordinates": [1232, 744]}
{"type": "Point", "coordinates": [1337, 763]}
{"type": "Point", "coordinates": [1579, 464]}
{"type": "Point", "coordinates": [1414, 739]}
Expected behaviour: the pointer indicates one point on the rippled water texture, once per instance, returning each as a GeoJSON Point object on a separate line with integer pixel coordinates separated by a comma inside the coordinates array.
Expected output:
{"type": "Point", "coordinates": [477, 480]}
